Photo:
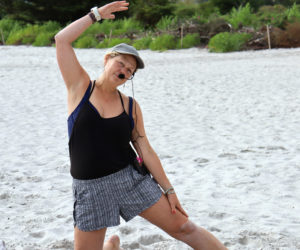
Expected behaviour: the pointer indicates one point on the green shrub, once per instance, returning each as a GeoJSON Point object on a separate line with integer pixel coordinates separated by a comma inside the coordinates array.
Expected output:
{"type": "Point", "coordinates": [243, 16]}
{"type": "Point", "coordinates": [143, 43]}
{"type": "Point", "coordinates": [44, 39]}
{"type": "Point", "coordinates": [116, 41]}
{"type": "Point", "coordinates": [86, 42]}
{"type": "Point", "coordinates": [93, 30]}
{"type": "Point", "coordinates": [164, 42]}
{"type": "Point", "coordinates": [226, 42]}
{"type": "Point", "coordinates": [189, 40]}
{"type": "Point", "coordinates": [206, 11]}
{"type": "Point", "coordinates": [130, 25]}
{"type": "Point", "coordinates": [108, 43]}
{"type": "Point", "coordinates": [14, 38]}
{"type": "Point", "coordinates": [50, 26]}
{"type": "Point", "coordinates": [166, 23]}
{"type": "Point", "coordinates": [151, 11]}
{"type": "Point", "coordinates": [103, 44]}
{"type": "Point", "coordinates": [114, 28]}
{"type": "Point", "coordinates": [272, 15]}
{"type": "Point", "coordinates": [293, 13]}
{"type": "Point", "coordinates": [26, 35]}
{"type": "Point", "coordinates": [106, 27]}
{"type": "Point", "coordinates": [7, 26]}
{"type": "Point", "coordinates": [183, 10]}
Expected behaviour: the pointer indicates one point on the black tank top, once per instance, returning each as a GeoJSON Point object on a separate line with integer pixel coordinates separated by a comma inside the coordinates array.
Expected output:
{"type": "Point", "coordinates": [99, 146]}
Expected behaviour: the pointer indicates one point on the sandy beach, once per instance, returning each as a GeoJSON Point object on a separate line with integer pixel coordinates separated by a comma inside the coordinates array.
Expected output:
{"type": "Point", "coordinates": [225, 126]}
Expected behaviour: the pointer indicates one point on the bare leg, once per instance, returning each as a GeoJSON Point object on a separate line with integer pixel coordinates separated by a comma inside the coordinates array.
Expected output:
{"type": "Point", "coordinates": [89, 240]}
{"type": "Point", "coordinates": [94, 240]}
{"type": "Point", "coordinates": [179, 227]}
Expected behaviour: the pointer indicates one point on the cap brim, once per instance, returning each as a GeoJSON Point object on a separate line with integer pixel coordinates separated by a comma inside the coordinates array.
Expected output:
{"type": "Point", "coordinates": [140, 63]}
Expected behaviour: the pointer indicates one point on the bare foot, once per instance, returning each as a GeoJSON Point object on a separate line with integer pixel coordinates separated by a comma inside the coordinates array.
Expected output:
{"type": "Point", "coordinates": [113, 243]}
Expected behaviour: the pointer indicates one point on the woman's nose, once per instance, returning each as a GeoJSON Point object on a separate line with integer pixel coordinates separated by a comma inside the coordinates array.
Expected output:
{"type": "Point", "coordinates": [124, 71]}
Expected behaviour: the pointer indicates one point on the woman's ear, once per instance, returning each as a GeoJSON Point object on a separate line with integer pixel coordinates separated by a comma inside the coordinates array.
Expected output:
{"type": "Point", "coordinates": [106, 58]}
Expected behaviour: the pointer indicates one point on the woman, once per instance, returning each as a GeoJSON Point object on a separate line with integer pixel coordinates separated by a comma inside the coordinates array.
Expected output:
{"type": "Point", "coordinates": [102, 122]}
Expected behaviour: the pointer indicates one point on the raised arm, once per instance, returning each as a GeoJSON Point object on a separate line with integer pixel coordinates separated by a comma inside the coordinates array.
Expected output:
{"type": "Point", "coordinates": [73, 73]}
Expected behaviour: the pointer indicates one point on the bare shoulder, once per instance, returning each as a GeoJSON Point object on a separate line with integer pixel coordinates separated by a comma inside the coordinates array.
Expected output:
{"type": "Point", "coordinates": [135, 106]}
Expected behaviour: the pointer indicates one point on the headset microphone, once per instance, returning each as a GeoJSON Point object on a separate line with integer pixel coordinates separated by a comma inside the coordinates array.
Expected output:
{"type": "Point", "coordinates": [121, 76]}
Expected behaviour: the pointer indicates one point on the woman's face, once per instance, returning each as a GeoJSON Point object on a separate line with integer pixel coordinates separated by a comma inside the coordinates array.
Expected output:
{"type": "Point", "coordinates": [120, 64]}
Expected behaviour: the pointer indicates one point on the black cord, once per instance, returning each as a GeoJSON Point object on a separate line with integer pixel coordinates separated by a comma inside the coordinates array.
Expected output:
{"type": "Point", "coordinates": [136, 118]}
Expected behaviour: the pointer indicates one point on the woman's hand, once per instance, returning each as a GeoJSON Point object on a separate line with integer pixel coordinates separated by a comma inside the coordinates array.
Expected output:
{"type": "Point", "coordinates": [174, 203]}
{"type": "Point", "coordinates": [107, 10]}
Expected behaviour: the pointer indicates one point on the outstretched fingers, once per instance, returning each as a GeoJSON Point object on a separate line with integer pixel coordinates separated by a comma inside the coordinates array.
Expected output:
{"type": "Point", "coordinates": [107, 10]}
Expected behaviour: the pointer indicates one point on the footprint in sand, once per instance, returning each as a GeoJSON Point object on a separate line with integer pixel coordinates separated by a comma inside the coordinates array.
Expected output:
{"type": "Point", "coordinates": [228, 155]}
{"type": "Point", "coordinates": [62, 244]}
{"type": "Point", "coordinates": [201, 161]}
{"type": "Point", "coordinates": [214, 229]}
{"type": "Point", "coordinates": [151, 239]}
{"type": "Point", "coordinates": [132, 245]}
{"type": "Point", "coordinates": [217, 195]}
{"type": "Point", "coordinates": [61, 216]}
{"type": "Point", "coordinates": [37, 234]}
{"type": "Point", "coordinates": [243, 240]}
{"type": "Point", "coordinates": [273, 148]}
{"type": "Point", "coordinates": [247, 151]}
{"type": "Point", "coordinates": [276, 148]}
{"type": "Point", "coordinates": [217, 215]}
{"type": "Point", "coordinates": [127, 230]}
{"type": "Point", "coordinates": [4, 196]}
{"type": "Point", "coordinates": [34, 178]}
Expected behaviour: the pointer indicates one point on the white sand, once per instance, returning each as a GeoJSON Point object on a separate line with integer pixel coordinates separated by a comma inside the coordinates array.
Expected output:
{"type": "Point", "coordinates": [226, 127]}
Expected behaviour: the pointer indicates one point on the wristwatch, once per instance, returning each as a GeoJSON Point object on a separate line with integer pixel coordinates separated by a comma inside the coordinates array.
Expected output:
{"type": "Point", "coordinates": [96, 13]}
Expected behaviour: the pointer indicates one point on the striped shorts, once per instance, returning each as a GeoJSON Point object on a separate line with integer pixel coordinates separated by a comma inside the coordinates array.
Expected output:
{"type": "Point", "coordinates": [98, 203]}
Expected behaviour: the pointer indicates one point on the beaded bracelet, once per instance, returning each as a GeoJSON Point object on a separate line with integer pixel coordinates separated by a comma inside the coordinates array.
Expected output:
{"type": "Point", "coordinates": [170, 191]}
{"type": "Point", "coordinates": [92, 16]}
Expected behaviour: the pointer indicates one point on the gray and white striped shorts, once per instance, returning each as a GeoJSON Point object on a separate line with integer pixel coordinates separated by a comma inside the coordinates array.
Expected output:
{"type": "Point", "coordinates": [98, 203]}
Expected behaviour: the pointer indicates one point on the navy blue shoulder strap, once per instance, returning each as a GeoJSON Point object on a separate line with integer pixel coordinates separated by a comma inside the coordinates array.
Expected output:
{"type": "Point", "coordinates": [130, 112]}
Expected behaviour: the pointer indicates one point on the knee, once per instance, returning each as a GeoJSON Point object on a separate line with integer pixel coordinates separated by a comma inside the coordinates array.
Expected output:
{"type": "Point", "coordinates": [184, 230]}
{"type": "Point", "coordinates": [188, 227]}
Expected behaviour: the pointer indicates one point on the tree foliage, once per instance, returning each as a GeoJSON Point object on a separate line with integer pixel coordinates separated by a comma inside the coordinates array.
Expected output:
{"type": "Point", "coordinates": [62, 11]}
{"type": "Point", "coordinates": [151, 11]}
{"type": "Point", "coordinates": [225, 6]}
